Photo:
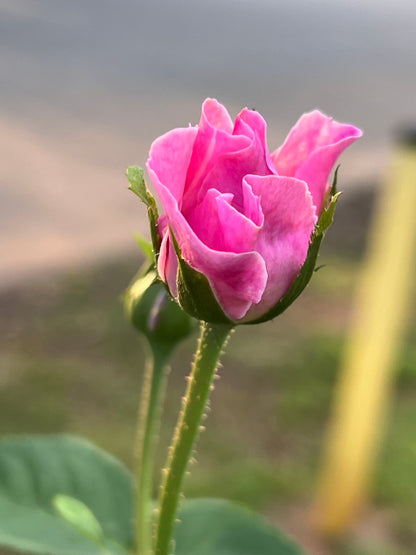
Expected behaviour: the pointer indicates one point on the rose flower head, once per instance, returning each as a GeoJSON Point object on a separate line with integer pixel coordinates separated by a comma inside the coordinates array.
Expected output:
{"type": "Point", "coordinates": [242, 226]}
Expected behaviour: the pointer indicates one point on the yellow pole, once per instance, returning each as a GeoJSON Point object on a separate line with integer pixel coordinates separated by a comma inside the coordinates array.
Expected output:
{"type": "Point", "coordinates": [366, 372]}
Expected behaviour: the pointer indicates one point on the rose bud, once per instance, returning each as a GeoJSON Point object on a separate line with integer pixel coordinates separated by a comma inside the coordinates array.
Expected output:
{"type": "Point", "coordinates": [242, 226]}
{"type": "Point", "coordinates": [152, 311]}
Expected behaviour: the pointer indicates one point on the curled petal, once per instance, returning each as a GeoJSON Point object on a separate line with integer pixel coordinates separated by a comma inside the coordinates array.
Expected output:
{"type": "Point", "coordinates": [311, 150]}
{"type": "Point", "coordinates": [216, 115]}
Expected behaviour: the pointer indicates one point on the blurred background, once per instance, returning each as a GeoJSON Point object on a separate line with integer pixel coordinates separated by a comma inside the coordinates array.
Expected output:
{"type": "Point", "coordinates": [86, 86]}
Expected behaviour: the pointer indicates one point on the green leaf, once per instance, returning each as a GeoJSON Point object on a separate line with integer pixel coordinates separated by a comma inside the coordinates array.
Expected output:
{"type": "Point", "coordinates": [309, 266]}
{"type": "Point", "coordinates": [218, 527]}
{"type": "Point", "coordinates": [79, 515]}
{"type": "Point", "coordinates": [34, 470]}
{"type": "Point", "coordinates": [135, 175]}
{"type": "Point", "coordinates": [195, 294]}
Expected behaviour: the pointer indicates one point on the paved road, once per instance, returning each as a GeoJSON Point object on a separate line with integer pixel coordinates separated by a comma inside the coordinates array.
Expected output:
{"type": "Point", "coordinates": [87, 84]}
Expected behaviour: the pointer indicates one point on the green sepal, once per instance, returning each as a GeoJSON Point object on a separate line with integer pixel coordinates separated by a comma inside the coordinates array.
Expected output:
{"type": "Point", "coordinates": [327, 216]}
{"type": "Point", "coordinates": [309, 266]}
{"type": "Point", "coordinates": [195, 294]}
{"type": "Point", "coordinates": [333, 190]}
{"type": "Point", "coordinates": [135, 175]}
{"type": "Point", "coordinates": [79, 515]}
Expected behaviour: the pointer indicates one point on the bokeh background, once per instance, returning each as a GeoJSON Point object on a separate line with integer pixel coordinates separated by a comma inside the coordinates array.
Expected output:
{"type": "Point", "coordinates": [86, 85]}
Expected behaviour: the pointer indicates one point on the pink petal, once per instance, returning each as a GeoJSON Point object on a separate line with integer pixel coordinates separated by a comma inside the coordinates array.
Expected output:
{"type": "Point", "coordinates": [169, 157]}
{"type": "Point", "coordinates": [289, 220]}
{"type": "Point", "coordinates": [252, 124]}
{"type": "Point", "coordinates": [252, 205]}
{"type": "Point", "coordinates": [220, 159]}
{"type": "Point", "coordinates": [214, 138]}
{"type": "Point", "coordinates": [167, 265]}
{"type": "Point", "coordinates": [227, 173]}
{"type": "Point", "coordinates": [311, 150]}
{"type": "Point", "coordinates": [221, 227]}
{"type": "Point", "coordinates": [237, 280]}
{"type": "Point", "coordinates": [217, 115]}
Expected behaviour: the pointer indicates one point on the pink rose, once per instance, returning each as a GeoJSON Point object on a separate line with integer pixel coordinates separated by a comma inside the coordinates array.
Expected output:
{"type": "Point", "coordinates": [241, 216]}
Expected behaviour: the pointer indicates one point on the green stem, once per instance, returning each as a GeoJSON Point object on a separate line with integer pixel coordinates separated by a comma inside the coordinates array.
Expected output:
{"type": "Point", "coordinates": [211, 342]}
{"type": "Point", "coordinates": [153, 388]}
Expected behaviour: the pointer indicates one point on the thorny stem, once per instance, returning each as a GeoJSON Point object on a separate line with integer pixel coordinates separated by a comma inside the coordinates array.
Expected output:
{"type": "Point", "coordinates": [212, 340]}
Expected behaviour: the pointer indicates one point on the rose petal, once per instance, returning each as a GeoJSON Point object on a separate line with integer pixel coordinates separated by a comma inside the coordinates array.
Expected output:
{"type": "Point", "coordinates": [251, 205]}
{"type": "Point", "coordinates": [221, 160]}
{"type": "Point", "coordinates": [231, 167]}
{"type": "Point", "coordinates": [216, 115]}
{"type": "Point", "coordinates": [289, 220]}
{"type": "Point", "coordinates": [214, 138]}
{"type": "Point", "coordinates": [252, 124]}
{"type": "Point", "coordinates": [237, 280]}
{"type": "Point", "coordinates": [167, 262]}
{"type": "Point", "coordinates": [169, 157]}
{"type": "Point", "coordinates": [311, 150]}
{"type": "Point", "coordinates": [246, 228]}
{"type": "Point", "coordinates": [221, 227]}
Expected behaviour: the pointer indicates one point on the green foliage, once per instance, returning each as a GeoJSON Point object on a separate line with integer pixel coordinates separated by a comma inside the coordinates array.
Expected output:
{"type": "Point", "coordinates": [34, 470]}
{"type": "Point", "coordinates": [218, 527]}
{"type": "Point", "coordinates": [135, 175]}
{"type": "Point", "coordinates": [64, 496]}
